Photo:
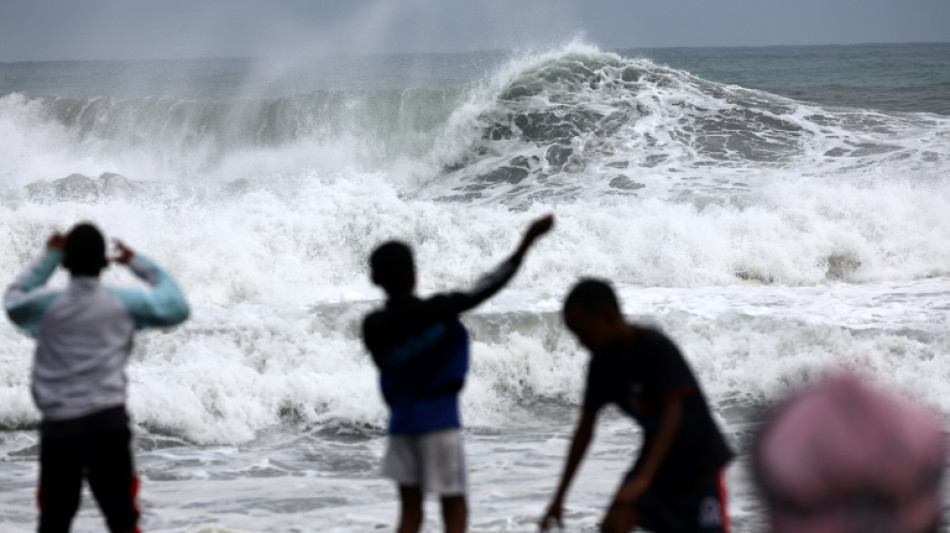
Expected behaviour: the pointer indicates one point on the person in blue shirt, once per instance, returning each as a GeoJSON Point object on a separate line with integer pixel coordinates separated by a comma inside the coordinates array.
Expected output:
{"type": "Point", "coordinates": [421, 349]}
{"type": "Point", "coordinates": [83, 338]}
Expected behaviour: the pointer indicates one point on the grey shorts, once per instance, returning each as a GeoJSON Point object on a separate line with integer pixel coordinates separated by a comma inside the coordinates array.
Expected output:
{"type": "Point", "coordinates": [434, 461]}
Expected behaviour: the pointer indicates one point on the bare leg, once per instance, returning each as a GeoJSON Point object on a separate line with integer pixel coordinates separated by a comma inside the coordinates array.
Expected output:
{"type": "Point", "coordinates": [410, 516]}
{"type": "Point", "coordinates": [454, 513]}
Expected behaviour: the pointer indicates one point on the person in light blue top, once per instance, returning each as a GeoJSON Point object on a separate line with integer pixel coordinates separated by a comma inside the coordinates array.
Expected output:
{"type": "Point", "coordinates": [84, 335]}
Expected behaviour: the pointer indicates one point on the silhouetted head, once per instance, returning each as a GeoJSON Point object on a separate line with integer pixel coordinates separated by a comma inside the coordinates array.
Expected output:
{"type": "Point", "coordinates": [84, 253]}
{"type": "Point", "coordinates": [592, 313]}
{"type": "Point", "coordinates": [393, 268]}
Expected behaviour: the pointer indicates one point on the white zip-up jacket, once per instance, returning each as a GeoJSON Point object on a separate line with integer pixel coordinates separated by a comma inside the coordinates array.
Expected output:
{"type": "Point", "coordinates": [84, 332]}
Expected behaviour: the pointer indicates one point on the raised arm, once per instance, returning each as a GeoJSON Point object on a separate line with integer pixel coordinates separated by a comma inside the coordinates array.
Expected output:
{"type": "Point", "coordinates": [26, 299]}
{"type": "Point", "coordinates": [583, 434]}
{"type": "Point", "coordinates": [381, 333]}
{"type": "Point", "coordinates": [162, 306]}
{"type": "Point", "coordinates": [489, 285]}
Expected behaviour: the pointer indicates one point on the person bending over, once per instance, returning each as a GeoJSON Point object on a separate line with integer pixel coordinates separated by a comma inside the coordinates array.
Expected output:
{"type": "Point", "coordinates": [676, 483]}
{"type": "Point", "coordinates": [83, 338]}
{"type": "Point", "coordinates": [421, 350]}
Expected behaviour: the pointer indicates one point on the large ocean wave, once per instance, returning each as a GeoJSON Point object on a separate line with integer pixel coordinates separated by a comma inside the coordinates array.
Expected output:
{"type": "Point", "coordinates": [659, 179]}
{"type": "Point", "coordinates": [535, 127]}
{"type": "Point", "coordinates": [265, 210]}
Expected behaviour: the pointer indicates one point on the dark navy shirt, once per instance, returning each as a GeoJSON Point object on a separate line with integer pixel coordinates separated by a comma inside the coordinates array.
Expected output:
{"type": "Point", "coordinates": [640, 377]}
{"type": "Point", "coordinates": [421, 349]}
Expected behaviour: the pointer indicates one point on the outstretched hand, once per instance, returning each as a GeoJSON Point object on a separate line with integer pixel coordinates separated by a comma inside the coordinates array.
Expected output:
{"type": "Point", "coordinates": [125, 253]}
{"type": "Point", "coordinates": [537, 228]}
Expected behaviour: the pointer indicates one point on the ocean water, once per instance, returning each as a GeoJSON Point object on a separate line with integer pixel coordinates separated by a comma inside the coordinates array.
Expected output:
{"type": "Point", "coordinates": [780, 212]}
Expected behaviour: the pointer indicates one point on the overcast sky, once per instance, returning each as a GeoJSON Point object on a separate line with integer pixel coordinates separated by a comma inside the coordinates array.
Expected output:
{"type": "Point", "coordinates": [123, 29]}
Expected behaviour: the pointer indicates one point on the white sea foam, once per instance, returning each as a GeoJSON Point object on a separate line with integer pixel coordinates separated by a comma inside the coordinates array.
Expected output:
{"type": "Point", "coordinates": [772, 239]}
{"type": "Point", "coordinates": [271, 233]}
{"type": "Point", "coordinates": [234, 372]}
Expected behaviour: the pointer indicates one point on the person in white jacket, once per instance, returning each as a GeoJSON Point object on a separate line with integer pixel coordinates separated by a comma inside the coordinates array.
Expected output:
{"type": "Point", "coordinates": [83, 338]}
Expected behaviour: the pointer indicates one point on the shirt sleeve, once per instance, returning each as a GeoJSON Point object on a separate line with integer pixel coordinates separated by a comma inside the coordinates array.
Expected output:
{"type": "Point", "coordinates": [162, 306]}
{"type": "Point", "coordinates": [382, 332]}
{"type": "Point", "coordinates": [670, 376]}
{"type": "Point", "coordinates": [596, 394]}
{"type": "Point", "coordinates": [26, 299]}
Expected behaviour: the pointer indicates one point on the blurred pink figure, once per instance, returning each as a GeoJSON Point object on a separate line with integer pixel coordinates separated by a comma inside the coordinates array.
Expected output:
{"type": "Point", "coordinates": [843, 457]}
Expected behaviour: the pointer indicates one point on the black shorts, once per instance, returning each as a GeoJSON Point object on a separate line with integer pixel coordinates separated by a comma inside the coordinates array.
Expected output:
{"type": "Point", "coordinates": [98, 450]}
{"type": "Point", "coordinates": [701, 509]}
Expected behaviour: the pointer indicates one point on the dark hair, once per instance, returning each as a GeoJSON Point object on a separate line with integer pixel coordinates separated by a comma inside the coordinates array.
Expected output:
{"type": "Point", "coordinates": [393, 268]}
{"type": "Point", "coordinates": [84, 253]}
{"type": "Point", "coordinates": [592, 297]}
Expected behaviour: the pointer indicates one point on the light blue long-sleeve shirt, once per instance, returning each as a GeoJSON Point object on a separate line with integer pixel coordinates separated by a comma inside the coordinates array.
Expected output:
{"type": "Point", "coordinates": [84, 332]}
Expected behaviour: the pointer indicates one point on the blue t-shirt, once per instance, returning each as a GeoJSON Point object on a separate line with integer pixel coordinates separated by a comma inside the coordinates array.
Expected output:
{"type": "Point", "coordinates": [421, 349]}
{"type": "Point", "coordinates": [421, 379]}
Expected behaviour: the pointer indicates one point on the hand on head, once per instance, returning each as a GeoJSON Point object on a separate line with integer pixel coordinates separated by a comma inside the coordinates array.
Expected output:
{"type": "Point", "coordinates": [125, 253]}
{"type": "Point", "coordinates": [57, 241]}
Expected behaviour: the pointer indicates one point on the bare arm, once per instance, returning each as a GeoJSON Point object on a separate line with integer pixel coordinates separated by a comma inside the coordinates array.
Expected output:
{"type": "Point", "coordinates": [579, 444]}
{"type": "Point", "coordinates": [491, 283]}
{"type": "Point", "coordinates": [537, 228]}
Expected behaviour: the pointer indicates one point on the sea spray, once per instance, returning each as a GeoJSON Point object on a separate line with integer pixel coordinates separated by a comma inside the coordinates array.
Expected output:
{"type": "Point", "coordinates": [771, 237]}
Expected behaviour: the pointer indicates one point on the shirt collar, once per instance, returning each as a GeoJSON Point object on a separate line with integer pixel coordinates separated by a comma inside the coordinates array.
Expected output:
{"type": "Point", "coordinates": [83, 282]}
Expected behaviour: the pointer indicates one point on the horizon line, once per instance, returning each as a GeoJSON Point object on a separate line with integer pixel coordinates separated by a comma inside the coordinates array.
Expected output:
{"type": "Point", "coordinates": [456, 53]}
